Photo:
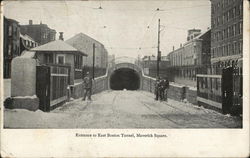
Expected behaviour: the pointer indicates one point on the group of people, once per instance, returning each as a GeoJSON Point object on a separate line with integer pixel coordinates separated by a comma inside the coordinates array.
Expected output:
{"type": "Point", "coordinates": [161, 89]}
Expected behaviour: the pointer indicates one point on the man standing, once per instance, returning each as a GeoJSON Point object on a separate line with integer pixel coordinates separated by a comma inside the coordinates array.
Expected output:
{"type": "Point", "coordinates": [87, 85]}
{"type": "Point", "coordinates": [166, 86]}
{"type": "Point", "coordinates": [161, 89]}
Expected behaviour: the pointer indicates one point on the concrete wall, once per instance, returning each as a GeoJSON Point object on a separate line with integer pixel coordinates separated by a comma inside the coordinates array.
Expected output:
{"type": "Point", "coordinates": [175, 92]}
{"type": "Point", "coordinates": [23, 72]}
{"type": "Point", "coordinates": [99, 84]}
{"type": "Point", "coordinates": [191, 95]}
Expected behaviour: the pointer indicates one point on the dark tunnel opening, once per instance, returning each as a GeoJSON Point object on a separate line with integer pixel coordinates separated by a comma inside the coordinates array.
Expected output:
{"type": "Point", "coordinates": [124, 78]}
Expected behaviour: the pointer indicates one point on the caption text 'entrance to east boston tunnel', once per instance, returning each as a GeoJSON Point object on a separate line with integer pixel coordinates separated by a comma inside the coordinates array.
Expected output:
{"type": "Point", "coordinates": [124, 78]}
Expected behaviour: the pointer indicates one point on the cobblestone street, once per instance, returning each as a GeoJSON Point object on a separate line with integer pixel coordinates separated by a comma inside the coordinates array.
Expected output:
{"type": "Point", "coordinates": [121, 109]}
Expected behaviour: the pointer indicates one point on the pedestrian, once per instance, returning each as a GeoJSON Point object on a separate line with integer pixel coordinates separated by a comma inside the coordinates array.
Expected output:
{"type": "Point", "coordinates": [166, 86]}
{"type": "Point", "coordinates": [87, 86]}
{"type": "Point", "coordinates": [157, 83]}
{"type": "Point", "coordinates": [161, 89]}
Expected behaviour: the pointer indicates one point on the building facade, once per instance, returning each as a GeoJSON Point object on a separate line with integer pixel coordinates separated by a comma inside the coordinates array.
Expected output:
{"type": "Point", "coordinates": [26, 43]}
{"type": "Point", "coordinates": [222, 88]}
{"type": "Point", "coordinates": [85, 43]}
{"type": "Point", "coordinates": [226, 34]}
{"type": "Point", "coordinates": [60, 53]}
{"type": "Point", "coordinates": [11, 44]}
{"type": "Point", "coordinates": [41, 33]}
{"type": "Point", "coordinates": [191, 58]}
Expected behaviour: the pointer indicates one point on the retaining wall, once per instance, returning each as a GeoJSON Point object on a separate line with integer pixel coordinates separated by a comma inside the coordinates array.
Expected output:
{"type": "Point", "coordinates": [176, 91]}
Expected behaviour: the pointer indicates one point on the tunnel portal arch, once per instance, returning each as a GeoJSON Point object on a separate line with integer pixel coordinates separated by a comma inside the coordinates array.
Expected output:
{"type": "Point", "coordinates": [125, 76]}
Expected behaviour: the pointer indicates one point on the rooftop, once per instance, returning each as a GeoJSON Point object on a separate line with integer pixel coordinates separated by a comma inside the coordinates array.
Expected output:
{"type": "Point", "coordinates": [26, 37]}
{"type": "Point", "coordinates": [79, 36]}
{"type": "Point", "coordinates": [57, 46]}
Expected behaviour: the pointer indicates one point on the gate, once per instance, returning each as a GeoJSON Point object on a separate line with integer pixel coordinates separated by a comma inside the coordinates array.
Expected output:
{"type": "Point", "coordinates": [227, 89]}
{"type": "Point", "coordinates": [51, 85]}
{"type": "Point", "coordinates": [232, 90]}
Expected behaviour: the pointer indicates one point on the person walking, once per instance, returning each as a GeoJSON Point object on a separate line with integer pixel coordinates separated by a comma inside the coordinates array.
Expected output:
{"type": "Point", "coordinates": [161, 89]}
{"type": "Point", "coordinates": [87, 86]}
{"type": "Point", "coordinates": [166, 86]}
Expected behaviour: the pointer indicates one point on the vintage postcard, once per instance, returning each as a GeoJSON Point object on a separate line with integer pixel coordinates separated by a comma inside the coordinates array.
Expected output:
{"type": "Point", "coordinates": [125, 78]}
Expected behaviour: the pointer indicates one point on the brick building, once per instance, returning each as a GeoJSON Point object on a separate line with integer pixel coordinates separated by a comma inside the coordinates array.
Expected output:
{"type": "Point", "coordinates": [41, 33]}
{"type": "Point", "coordinates": [11, 44]}
{"type": "Point", "coordinates": [226, 34]}
{"type": "Point", "coordinates": [85, 43]}
{"type": "Point", "coordinates": [191, 58]}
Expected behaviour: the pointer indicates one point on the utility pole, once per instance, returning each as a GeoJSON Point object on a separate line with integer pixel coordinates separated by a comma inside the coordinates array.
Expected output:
{"type": "Point", "coordinates": [158, 50]}
{"type": "Point", "coordinates": [93, 68]}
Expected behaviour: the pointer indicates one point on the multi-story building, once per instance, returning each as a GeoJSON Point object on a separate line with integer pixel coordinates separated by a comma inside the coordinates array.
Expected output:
{"type": "Point", "coordinates": [85, 43]}
{"type": "Point", "coordinates": [226, 34]}
{"type": "Point", "coordinates": [11, 44]}
{"type": "Point", "coordinates": [26, 43]}
{"type": "Point", "coordinates": [191, 58]}
{"type": "Point", "coordinates": [41, 33]}
{"type": "Point", "coordinates": [222, 88]}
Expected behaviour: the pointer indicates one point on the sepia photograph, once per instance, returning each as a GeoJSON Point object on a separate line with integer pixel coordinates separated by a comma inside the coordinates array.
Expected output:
{"type": "Point", "coordinates": [115, 78]}
{"type": "Point", "coordinates": [123, 64]}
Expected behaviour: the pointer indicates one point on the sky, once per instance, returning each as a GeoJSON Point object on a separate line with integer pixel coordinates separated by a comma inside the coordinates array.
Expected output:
{"type": "Point", "coordinates": [126, 28]}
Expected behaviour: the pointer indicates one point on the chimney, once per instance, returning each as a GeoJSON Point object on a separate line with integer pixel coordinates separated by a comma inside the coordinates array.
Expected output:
{"type": "Point", "coordinates": [30, 22]}
{"type": "Point", "coordinates": [61, 36]}
{"type": "Point", "coordinates": [181, 45]}
{"type": "Point", "coordinates": [173, 48]}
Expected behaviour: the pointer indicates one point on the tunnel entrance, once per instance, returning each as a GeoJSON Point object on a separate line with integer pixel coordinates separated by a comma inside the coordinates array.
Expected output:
{"type": "Point", "coordinates": [125, 78]}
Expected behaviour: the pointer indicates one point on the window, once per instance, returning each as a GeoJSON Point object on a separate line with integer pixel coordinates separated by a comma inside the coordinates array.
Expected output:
{"type": "Point", "coordinates": [10, 30]}
{"type": "Point", "coordinates": [232, 46]}
{"type": "Point", "coordinates": [9, 50]}
{"type": "Point", "coordinates": [60, 59]}
{"type": "Point", "coordinates": [223, 50]}
{"type": "Point", "coordinates": [240, 48]}
{"type": "Point", "coordinates": [234, 12]}
{"type": "Point", "coordinates": [240, 9]}
{"type": "Point", "coordinates": [225, 33]}
{"type": "Point", "coordinates": [78, 61]}
{"type": "Point", "coordinates": [48, 58]}
{"type": "Point", "coordinates": [226, 50]}
{"type": "Point", "coordinates": [235, 48]}
{"type": "Point", "coordinates": [234, 30]}
{"type": "Point", "coordinates": [228, 15]}
{"type": "Point", "coordinates": [240, 28]}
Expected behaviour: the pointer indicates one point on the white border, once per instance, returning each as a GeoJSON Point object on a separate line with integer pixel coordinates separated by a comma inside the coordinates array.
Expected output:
{"type": "Point", "coordinates": [179, 143]}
